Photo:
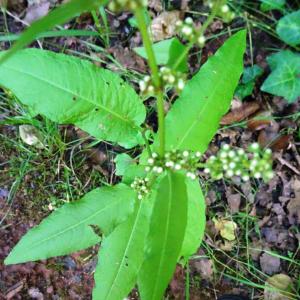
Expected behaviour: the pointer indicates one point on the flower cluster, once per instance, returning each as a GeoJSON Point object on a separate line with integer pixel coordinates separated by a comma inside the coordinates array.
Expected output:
{"type": "Point", "coordinates": [223, 10]}
{"type": "Point", "coordinates": [119, 5]}
{"type": "Point", "coordinates": [172, 78]}
{"type": "Point", "coordinates": [168, 77]}
{"type": "Point", "coordinates": [231, 162]}
{"type": "Point", "coordinates": [141, 185]}
{"type": "Point", "coordinates": [175, 160]}
{"type": "Point", "coordinates": [188, 31]}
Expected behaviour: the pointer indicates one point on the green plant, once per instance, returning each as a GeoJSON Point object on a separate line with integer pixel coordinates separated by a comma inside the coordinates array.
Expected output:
{"type": "Point", "coordinates": [284, 79]}
{"type": "Point", "coordinates": [245, 88]}
{"type": "Point", "coordinates": [156, 216]}
{"type": "Point", "coordinates": [285, 65]}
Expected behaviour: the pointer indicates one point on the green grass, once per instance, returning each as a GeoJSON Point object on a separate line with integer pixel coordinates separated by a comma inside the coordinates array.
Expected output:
{"type": "Point", "coordinates": [54, 175]}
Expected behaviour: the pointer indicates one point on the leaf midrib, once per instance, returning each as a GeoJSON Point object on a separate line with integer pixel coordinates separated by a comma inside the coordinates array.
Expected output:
{"type": "Point", "coordinates": [165, 236]}
{"type": "Point", "coordinates": [196, 121]}
{"type": "Point", "coordinates": [75, 94]}
{"type": "Point", "coordinates": [125, 252]}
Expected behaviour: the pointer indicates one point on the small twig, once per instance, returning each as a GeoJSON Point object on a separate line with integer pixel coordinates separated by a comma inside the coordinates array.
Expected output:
{"type": "Point", "coordinates": [287, 164]}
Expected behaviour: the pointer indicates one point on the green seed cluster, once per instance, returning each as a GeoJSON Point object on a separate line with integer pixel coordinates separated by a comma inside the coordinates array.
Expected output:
{"type": "Point", "coordinates": [231, 162]}
{"type": "Point", "coordinates": [141, 185]}
{"type": "Point", "coordinates": [189, 32]}
{"type": "Point", "coordinates": [168, 77]}
{"type": "Point", "coordinates": [120, 5]}
{"type": "Point", "coordinates": [175, 160]}
{"type": "Point", "coordinates": [173, 78]}
{"type": "Point", "coordinates": [223, 11]}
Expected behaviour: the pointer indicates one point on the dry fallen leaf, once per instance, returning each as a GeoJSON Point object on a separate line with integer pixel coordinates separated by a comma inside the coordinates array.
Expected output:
{"type": "Point", "coordinates": [281, 282]}
{"type": "Point", "coordinates": [269, 264]}
{"type": "Point", "coordinates": [36, 11]}
{"type": "Point", "coordinates": [294, 204]}
{"type": "Point", "coordinates": [205, 268]}
{"type": "Point", "coordinates": [260, 121]}
{"type": "Point", "coordinates": [31, 136]}
{"type": "Point", "coordinates": [234, 201]}
{"type": "Point", "coordinates": [164, 26]}
{"type": "Point", "coordinates": [241, 113]}
{"type": "Point", "coordinates": [226, 228]}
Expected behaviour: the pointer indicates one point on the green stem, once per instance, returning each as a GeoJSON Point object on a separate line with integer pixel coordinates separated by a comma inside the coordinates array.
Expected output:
{"type": "Point", "coordinates": [199, 33]}
{"type": "Point", "coordinates": [140, 17]}
{"type": "Point", "coordinates": [146, 143]}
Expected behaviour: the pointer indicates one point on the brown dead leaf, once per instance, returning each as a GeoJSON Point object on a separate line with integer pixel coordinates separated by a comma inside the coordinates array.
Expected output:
{"type": "Point", "coordinates": [261, 121]}
{"type": "Point", "coordinates": [177, 286]}
{"type": "Point", "coordinates": [37, 11]}
{"type": "Point", "coordinates": [204, 267]}
{"type": "Point", "coordinates": [294, 204]}
{"type": "Point", "coordinates": [269, 264]}
{"type": "Point", "coordinates": [241, 113]}
{"type": "Point", "coordinates": [129, 59]}
{"type": "Point", "coordinates": [234, 201]}
{"type": "Point", "coordinates": [273, 140]}
{"type": "Point", "coordinates": [164, 26]}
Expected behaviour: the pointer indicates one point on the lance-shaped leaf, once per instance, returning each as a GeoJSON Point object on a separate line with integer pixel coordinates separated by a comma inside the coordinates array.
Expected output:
{"type": "Point", "coordinates": [68, 90]}
{"type": "Point", "coordinates": [194, 118]}
{"type": "Point", "coordinates": [166, 234]}
{"type": "Point", "coordinates": [68, 228]}
{"type": "Point", "coordinates": [122, 254]}
{"type": "Point", "coordinates": [196, 220]}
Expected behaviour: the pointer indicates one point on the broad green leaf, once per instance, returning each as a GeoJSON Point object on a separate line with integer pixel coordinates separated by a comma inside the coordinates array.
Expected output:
{"type": "Point", "coordinates": [56, 17]}
{"type": "Point", "coordinates": [245, 88]}
{"type": "Point", "coordinates": [288, 28]}
{"type": "Point", "coordinates": [284, 79]}
{"type": "Point", "coordinates": [121, 255]}
{"type": "Point", "coordinates": [69, 90]}
{"type": "Point", "coordinates": [194, 118]}
{"type": "Point", "coordinates": [68, 228]}
{"type": "Point", "coordinates": [267, 5]}
{"type": "Point", "coordinates": [123, 161]}
{"type": "Point", "coordinates": [196, 220]}
{"type": "Point", "coordinates": [166, 234]}
{"type": "Point", "coordinates": [167, 53]}
{"type": "Point", "coordinates": [252, 73]}
{"type": "Point", "coordinates": [134, 170]}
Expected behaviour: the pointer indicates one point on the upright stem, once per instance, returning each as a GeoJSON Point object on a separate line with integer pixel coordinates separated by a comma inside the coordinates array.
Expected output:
{"type": "Point", "coordinates": [139, 15]}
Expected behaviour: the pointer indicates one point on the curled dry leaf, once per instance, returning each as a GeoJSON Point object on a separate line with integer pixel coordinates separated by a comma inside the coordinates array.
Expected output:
{"type": "Point", "coordinates": [226, 229]}
{"type": "Point", "coordinates": [271, 137]}
{"type": "Point", "coordinates": [31, 136]}
{"type": "Point", "coordinates": [260, 121]}
{"type": "Point", "coordinates": [164, 26]}
{"type": "Point", "coordinates": [278, 287]}
{"type": "Point", "coordinates": [241, 113]}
